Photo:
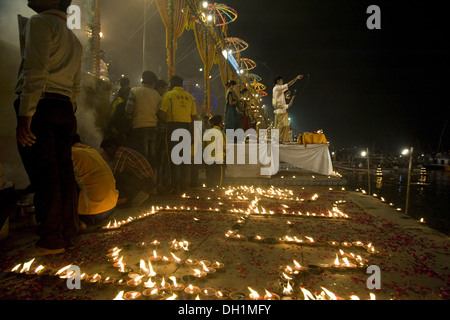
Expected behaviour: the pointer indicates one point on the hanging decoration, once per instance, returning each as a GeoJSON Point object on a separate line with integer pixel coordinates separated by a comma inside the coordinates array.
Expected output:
{"type": "Point", "coordinates": [236, 45]}
{"type": "Point", "coordinates": [174, 14]}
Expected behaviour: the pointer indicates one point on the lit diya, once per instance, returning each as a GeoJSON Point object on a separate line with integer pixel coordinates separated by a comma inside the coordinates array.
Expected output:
{"type": "Point", "coordinates": [192, 290]}
{"type": "Point", "coordinates": [204, 262]}
{"type": "Point", "coordinates": [291, 271]}
{"type": "Point", "coordinates": [155, 243]}
{"type": "Point", "coordinates": [132, 295]}
{"type": "Point", "coordinates": [254, 295]}
{"type": "Point", "coordinates": [223, 295]}
{"type": "Point", "coordinates": [155, 257]}
{"type": "Point", "coordinates": [208, 292]}
{"type": "Point", "coordinates": [95, 278]}
{"type": "Point", "coordinates": [151, 293]}
{"type": "Point", "coordinates": [164, 285]}
{"type": "Point", "coordinates": [271, 296]}
{"type": "Point", "coordinates": [135, 282]}
{"type": "Point", "coordinates": [217, 265]}
{"type": "Point", "coordinates": [107, 280]}
{"type": "Point", "coordinates": [176, 259]}
{"type": "Point", "coordinates": [299, 267]}
{"type": "Point", "coordinates": [346, 244]}
{"type": "Point", "coordinates": [333, 243]}
{"type": "Point", "coordinates": [141, 244]}
{"type": "Point", "coordinates": [207, 270]}
{"type": "Point", "coordinates": [191, 262]}
{"type": "Point", "coordinates": [199, 274]}
{"type": "Point", "coordinates": [358, 244]}
{"type": "Point", "coordinates": [176, 286]}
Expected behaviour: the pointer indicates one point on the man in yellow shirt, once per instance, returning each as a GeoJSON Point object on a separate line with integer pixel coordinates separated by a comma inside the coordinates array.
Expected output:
{"type": "Point", "coordinates": [97, 196]}
{"type": "Point", "coordinates": [179, 110]}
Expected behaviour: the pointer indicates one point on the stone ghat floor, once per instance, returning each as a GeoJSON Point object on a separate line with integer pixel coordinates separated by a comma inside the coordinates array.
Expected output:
{"type": "Point", "coordinates": [413, 259]}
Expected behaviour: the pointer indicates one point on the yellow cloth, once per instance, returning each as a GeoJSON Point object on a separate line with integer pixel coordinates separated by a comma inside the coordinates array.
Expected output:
{"type": "Point", "coordinates": [179, 105]}
{"type": "Point", "coordinates": [312, 138]}
{"type": "Point", "coordinates": [95, 179]}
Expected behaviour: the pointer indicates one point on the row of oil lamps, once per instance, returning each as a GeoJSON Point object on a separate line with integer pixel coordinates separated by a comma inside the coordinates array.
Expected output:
{"type": "Point", "coordinates": [364, 192]}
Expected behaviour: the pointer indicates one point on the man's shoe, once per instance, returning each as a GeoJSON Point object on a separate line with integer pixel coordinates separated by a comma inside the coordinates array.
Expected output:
{"type": "Point", "coordinates": [40, 252]}
{"type": "Point", "coordinates": [139, 199]}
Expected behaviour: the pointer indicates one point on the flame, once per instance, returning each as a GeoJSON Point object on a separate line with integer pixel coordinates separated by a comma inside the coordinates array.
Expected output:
{"type": "Point", "coordinates": [288, 289]}
{"type": "Point", "coordinates": [308, 295]}
{"type": "Point", "coordinates": [173, 297]}
{"type": "Point", "coordinates": [143, 267]}
{"type": "Point", "coordinates": [204, 266]}
{"type": "Point", "coordinates": [373, 297]}
{"type": "Point", "coordinates": [197, 298]}
{"type": "Point", "coordinates": [163, 282]}
{"type": "Point", "coordinates": [27, 265]}
{"type": "Point", "coordinates": [346, 262]}
{"type": "Point", "coordinates": [354, 298]}
{"type": "Point", "coordinates": [253, 294]}
{"type": "Point", "coordinates": [154, 254]}
{"type": "Point", "coordinates": [185, 246]}
{"type": "Point", "coordinates": [176, 258]}
{"type": "Point", "coordinates": [150, 283]}
{"type": "Point", "coordinates": [341, 252]}
{"type": "Point", "coordinates": [41, 267]}
{"type": "Point", "coordinates": [137, 279]}
{"type": "Point", "coordinates": [286, 276]}
{"type": "Point", "coordinates": [63, 269]}
{"type": "Point", "coordinates": [268, 295]}
{"type": "Point", "coordinates": [16, 268]}
{"type": "Point", "coordinates": [120, 296]}
{"type": "Point", "coordinates": [151, 272]}
{"type": "Point", "coordinates": [297, 265]}
{"type": "Point", "coordinates": [191, 288]}
{"type": "Point", "coordinates": [197, 272]}
{"type": "Point", "coordinates": [329, 293]}
{"type": "Point", "coordinates": [336, 261]}
{"type": "Point", "coordinates": [174, 280]}
{"type": "Point", "coordinates": [310, 239]}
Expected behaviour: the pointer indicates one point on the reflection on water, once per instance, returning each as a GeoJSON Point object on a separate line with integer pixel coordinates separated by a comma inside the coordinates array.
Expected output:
{"type": "Point", "coordinates": [429, 193]}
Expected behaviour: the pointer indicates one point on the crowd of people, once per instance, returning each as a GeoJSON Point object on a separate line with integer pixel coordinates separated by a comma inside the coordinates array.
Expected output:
{"type": "Point", "coordinates": [74, 185]}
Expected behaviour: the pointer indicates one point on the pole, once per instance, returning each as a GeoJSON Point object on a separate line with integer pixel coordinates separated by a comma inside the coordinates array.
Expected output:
{"type": "Point", "coordinates": [409, 179]}
{"type": "Point", "coordinates": [368, 171]}
{"type": "Point", "coordinates": [144, 36]}
{"type": "Point", "coordinates": [96, 35]}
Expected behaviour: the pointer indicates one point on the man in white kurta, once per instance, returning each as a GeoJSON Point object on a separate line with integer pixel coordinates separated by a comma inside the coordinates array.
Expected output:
{"type": "Point", "coordinates": [282, 122]}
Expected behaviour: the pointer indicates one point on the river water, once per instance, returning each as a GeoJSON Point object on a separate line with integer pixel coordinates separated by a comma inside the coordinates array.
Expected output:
{"type": "Point", "coordinates": [429, 201]}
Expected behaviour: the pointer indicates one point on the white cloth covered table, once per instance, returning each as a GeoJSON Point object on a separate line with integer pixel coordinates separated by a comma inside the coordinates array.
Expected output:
{"type": "Point", "coordinates": [315, 158]}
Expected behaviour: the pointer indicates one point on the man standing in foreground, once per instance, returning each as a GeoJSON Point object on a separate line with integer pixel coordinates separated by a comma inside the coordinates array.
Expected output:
{"type": "Point", "coordinates": [179, 110]}
{"type": "Point", "coordinates": [49, 81]}
{"type": "Point", "coordinates": [282, 122]}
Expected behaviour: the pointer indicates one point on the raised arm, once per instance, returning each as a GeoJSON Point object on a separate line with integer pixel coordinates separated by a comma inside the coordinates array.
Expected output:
{"type": "Point", "coordinates": [295, 80]}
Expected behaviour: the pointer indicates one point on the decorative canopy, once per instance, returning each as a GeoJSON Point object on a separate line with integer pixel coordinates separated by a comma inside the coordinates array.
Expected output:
{"type": "Point", "coordinates": [219, 14]}
{"type": "Point", "coordinates": [258, 86]}
{"type": "Point", "coordinates": [247, 64]}
{"type": "Point", "coordinates": [235, 44]}
{"type": "Point", "coordinates": [254, 77]}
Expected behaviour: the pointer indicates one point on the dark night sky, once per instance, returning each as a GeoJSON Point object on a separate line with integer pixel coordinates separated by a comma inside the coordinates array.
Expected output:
{"type": "Point", "coordinates": [367, 86]}
{"type": "Point", "coordinates": [385, 87]}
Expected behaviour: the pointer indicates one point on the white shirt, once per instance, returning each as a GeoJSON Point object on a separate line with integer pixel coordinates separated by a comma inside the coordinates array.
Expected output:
{"type": "Point", "coordinates": [51, 61]}
{"type": "Point", "coordinates": [279, 100]}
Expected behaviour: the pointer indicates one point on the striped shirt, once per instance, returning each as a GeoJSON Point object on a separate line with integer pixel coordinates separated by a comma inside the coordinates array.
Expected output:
{"type": "Point", "coordinates": [127, 160]}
